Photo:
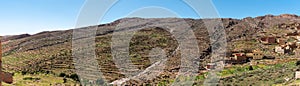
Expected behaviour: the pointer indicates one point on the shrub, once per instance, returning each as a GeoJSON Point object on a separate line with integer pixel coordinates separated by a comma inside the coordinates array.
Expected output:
{"type": "Point", "coordinates": [99, 82]}
{"type": "Point", "coordinates": [30, 78]}
{"type": "Point", "coordinates": [65, 80]}
{"type": "Point", "coordinates": [250, 68]}
{"type": "Point", "coordinates": [279, 81]}
{"type": "Point", "coordinates": [62, 74]}
{"type": "Point", "coordinates": [298, 63]}
{"type": "Point", "coordinates": [24, 72]}
{"type": "Point", "coordinates": [74, 77]}
{"type": "Point", "coordinates": [47, 72]}
{"type": "Point", "coordinates": [200, 77]}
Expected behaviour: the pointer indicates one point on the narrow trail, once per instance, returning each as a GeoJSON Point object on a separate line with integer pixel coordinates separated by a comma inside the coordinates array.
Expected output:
{"type": "Point", "coordinates": [149, 73]}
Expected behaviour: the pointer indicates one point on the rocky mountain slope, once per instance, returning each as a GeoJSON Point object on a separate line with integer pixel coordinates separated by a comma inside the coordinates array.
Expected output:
{"type": "Point", "coordinates": [52, 51]}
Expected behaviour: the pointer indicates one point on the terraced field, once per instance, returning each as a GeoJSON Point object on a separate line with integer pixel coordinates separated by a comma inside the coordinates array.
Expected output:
{"type": "Point", "coordinates": [36, 59]}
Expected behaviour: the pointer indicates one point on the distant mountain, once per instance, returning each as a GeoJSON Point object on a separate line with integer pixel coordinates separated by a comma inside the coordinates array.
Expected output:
{"type": "Point", "coordinates": [14, 37]}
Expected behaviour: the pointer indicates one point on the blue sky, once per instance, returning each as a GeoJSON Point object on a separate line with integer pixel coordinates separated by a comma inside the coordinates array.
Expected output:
{"type": "Point", "coordinates": [32, 16]}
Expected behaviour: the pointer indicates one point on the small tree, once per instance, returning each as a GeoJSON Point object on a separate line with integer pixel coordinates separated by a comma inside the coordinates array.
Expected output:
{"type": "Point", "coordinates": [65, 80]}
{"type": "Point", "coordinates": [62, 74]}
{"type": "Point", "coordinates": [24, 72]}
{"type": "Point", "coordinates": [298, 63]}
{"type": "Point", "coordinates": [74, 77]}
{"type": "Point", "coordinates": [250, 68]}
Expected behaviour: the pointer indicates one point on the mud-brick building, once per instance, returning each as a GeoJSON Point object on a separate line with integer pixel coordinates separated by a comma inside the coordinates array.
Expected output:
{"type": "Point", "coordinates": [237, 58]}
{"type": "Point", "coordinates": [297, 74]}
{"type": "Point", "coordinates": [281, 41]}
{"type": "Point", "coordinates": [279, 49]}
{"type": "Point", "coordinates": [286, 49]}
{"type": "Point", "coordinates": [255, 55]}
{"type": "Point", "coordinates": [268, 40]}
{"type": "Point", "coordinates": [210, 66]}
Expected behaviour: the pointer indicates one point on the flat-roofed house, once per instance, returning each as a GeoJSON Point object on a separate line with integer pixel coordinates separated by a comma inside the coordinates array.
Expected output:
{"type": "Point", "coordinates": [279, 49]}
{"type": "Point", "coordinates": [240, 57]}
{"type": "Point", "coordinates": [297, 74]}
{"type": "Point", "coordinates": [268, 40]}
{"type": "Point", "coordinates": [210, 66]}
{"type": "Point", "coordinates": [285, 49]}
{"type": "Point", "coordinates": [257, 54]}
{"type": "Point", "coordinates": [281, 41]}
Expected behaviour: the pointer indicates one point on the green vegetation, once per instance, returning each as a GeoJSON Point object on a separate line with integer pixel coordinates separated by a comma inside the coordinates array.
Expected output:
{"type": "Point", "coordinates": [246, 45]}
{"type": "Point", "coordinates": [242, 75]}
{"type": "Point", "coordinates": [39, 80]}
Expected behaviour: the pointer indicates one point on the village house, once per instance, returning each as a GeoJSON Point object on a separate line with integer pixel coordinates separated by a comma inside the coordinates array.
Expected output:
{"type": "Point", "coordinates": [286, 49]}
{"type": "Point", "coordinates": [210, 66]}
{"type": "Point", "coordinates": [297, 74]}
{"type": "Point", "coordinates": [237, 58]}
{"type": "Point", "coordinates": [281, 41]}
{"type": "Point", "coordinates": [256, 55]}
{"type": "Point", "coordinates": [279, 49]}
{"type": "Point", "coordinates": [243, 57]}
{"type": "Point", "coordinates": [268, 40]}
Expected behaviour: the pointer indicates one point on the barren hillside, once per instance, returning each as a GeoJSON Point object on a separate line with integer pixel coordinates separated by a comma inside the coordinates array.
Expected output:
{"type": "Point", "coordinates": [51, 52]}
